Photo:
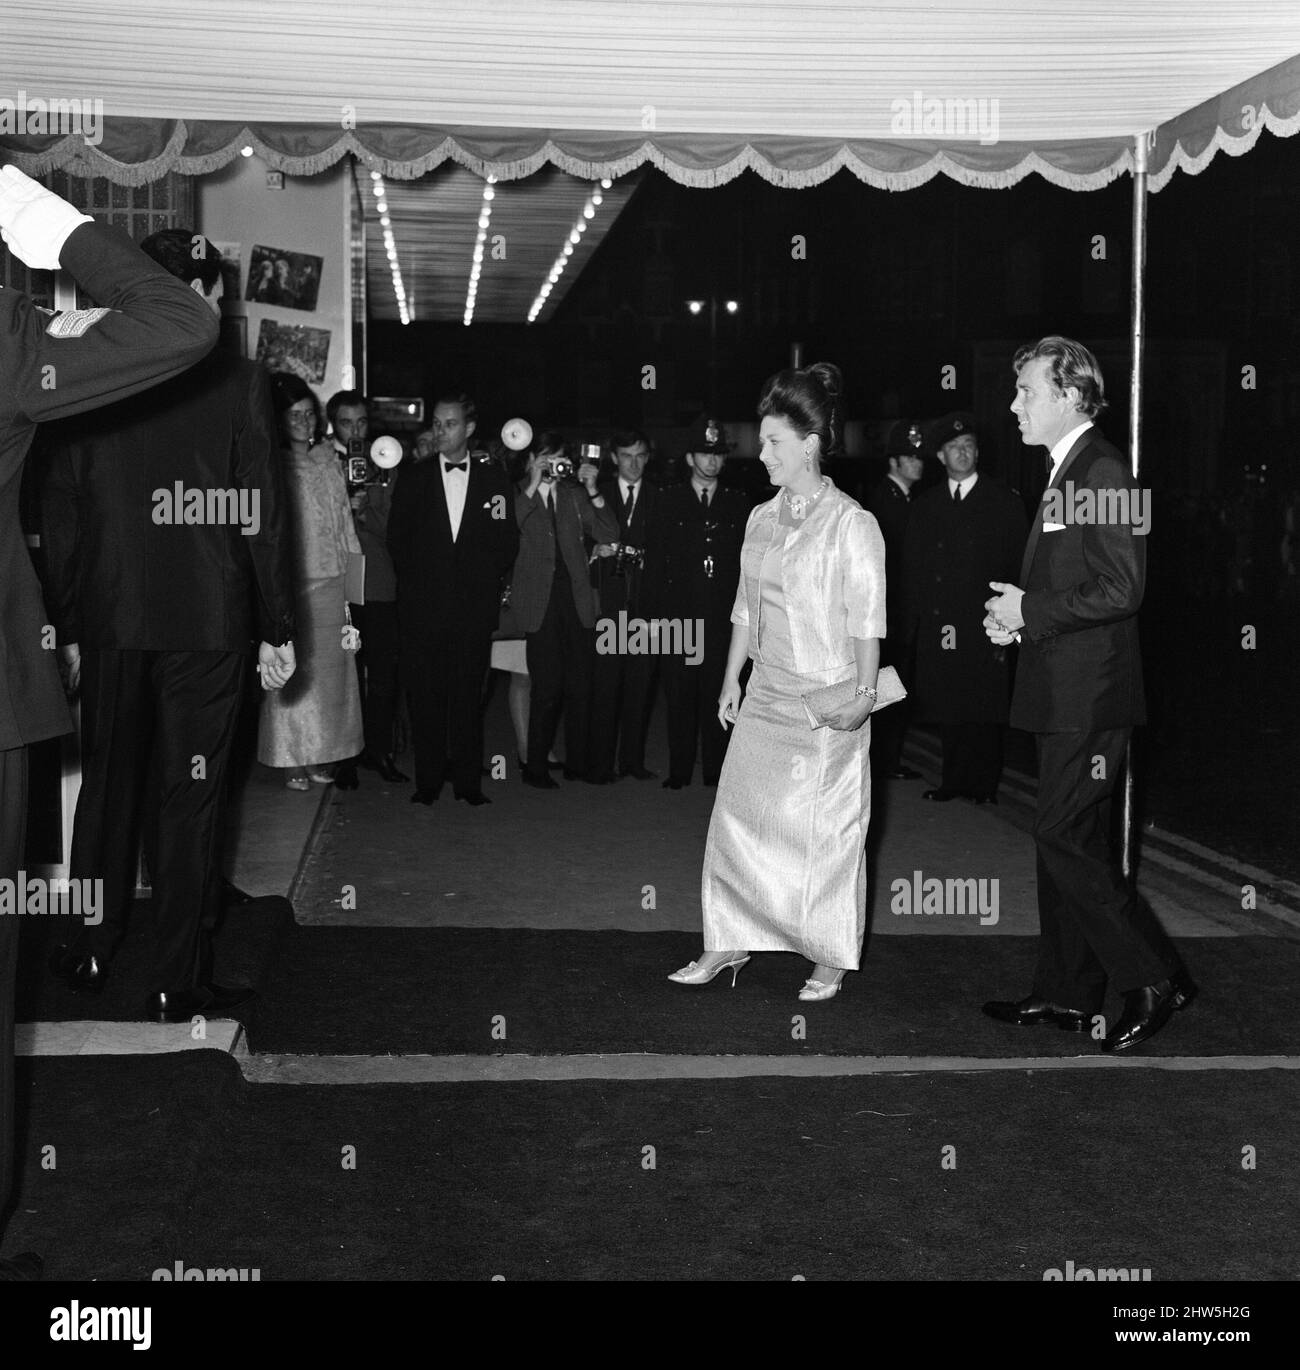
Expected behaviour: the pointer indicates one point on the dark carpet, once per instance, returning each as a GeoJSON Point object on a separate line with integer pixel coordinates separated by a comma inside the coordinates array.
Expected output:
{"type": "Point", "coordinates": [450, 990]}
{"type": "Point", "coordinates": [176, 1159]}
{"type": "Point", "coordinates": [245, 947]}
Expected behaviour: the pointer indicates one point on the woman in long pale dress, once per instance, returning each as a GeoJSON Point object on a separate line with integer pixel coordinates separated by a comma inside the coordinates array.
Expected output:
{"type": "Point", "coordinates": [316, 718]}
{"type": "Point", "coordinates": [785, 863]}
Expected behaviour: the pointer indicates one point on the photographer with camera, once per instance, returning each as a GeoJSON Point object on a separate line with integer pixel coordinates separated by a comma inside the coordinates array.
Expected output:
{"type": "Point", "coordinates": [624, 683]}
{"type": "Point", "coordinates": [553, 601]}
{"type": "Point", "coordinates": [370, 495]}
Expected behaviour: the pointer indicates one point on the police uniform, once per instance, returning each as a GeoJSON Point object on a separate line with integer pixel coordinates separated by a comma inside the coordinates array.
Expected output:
{"type": "Point", "coordinates": [149, 326]}
{"type": "Point", "coordinates": [953, 549]}
{"type": "Point", "coordinates": [891, 503]}
{"type": "Point", "coordinates": [700, 559]}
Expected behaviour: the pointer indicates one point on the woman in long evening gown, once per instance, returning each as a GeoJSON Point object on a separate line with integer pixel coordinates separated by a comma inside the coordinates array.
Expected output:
{"type": "Point", "coordinates": [316, 718]}
{"type": "Point", "coordinates": [785, 863]}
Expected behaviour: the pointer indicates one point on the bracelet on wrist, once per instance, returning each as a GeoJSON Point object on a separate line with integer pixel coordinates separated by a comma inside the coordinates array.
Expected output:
{"type": "Point", "coordinates": [868, 690]}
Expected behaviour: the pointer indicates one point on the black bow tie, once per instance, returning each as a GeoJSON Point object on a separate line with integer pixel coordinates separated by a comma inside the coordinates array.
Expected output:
{"type": "Point", "coordinates": [456, 465]}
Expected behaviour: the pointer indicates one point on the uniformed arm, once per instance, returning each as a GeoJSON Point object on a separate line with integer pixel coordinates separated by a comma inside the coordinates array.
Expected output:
{"type": "Point", "coordinates": [1114, 572]}
{"type": "Point", "coordinates": [258, 469]}
{"type": "Point", "coordinates": [153, 327]}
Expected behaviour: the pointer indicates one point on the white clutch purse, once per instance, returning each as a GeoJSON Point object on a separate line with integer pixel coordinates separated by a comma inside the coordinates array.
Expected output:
{"type": "Point", "coordinates": [818, 703]}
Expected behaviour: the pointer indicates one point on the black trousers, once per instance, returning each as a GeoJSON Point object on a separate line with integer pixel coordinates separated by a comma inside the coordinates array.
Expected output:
{"type": "Point", "coordinates": [13, 824]}
{"type": "Point", "coordinates": [445, 684]}
{"type": "Point", "coordinates": [377, 664]}
{"type": "Point", "coordinates": [972, 757]}
{"type": "Point", "coordinates": [162, 722]}
{"type": "Point", "coordinates": [1093, 927]}
{"type": "Point", "coordinates": [559, 671]}
{"type": "Point", "coordinates": [691, 694]}
{"type": "Point", "coordinates": [622, 685]}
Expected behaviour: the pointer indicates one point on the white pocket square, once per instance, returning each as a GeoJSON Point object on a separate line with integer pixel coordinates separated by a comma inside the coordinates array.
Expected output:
{"type": "Point", "coordinates": [1052, 527]}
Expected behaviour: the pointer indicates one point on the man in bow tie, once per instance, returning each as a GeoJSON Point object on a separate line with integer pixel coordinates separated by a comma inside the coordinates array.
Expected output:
{"type": "Point", "coordinates": [1079, 691]}
{"type": "Point", "coordinates": [453, 538]}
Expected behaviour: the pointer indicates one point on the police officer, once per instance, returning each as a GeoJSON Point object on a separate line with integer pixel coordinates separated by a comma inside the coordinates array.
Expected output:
{"type": "Point", "coordinates": [963, 533]}
{"type": "Point", "coordinates": [702, 529]}
{"type": "Point", "coordinates": [149, 326]}
{"type": "Point", "coordinates": [891, 503]}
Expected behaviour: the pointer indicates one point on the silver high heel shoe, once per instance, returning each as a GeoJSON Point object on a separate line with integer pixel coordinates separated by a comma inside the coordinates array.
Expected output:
{"type": "Point", "coordinates": [814, 991]}
{"type": "Point", "coordinates": [695, 975]}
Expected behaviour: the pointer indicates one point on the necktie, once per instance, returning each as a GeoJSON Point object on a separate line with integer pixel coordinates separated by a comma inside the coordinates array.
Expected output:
{"type": "Point", "coordinates": [457, 465]}
{"type": "Point", "coordinates": [956, 494]}
{"type": "Point", "coordinates": [631, 503]}
{"type": "Point", "coordinates": [704, 498]}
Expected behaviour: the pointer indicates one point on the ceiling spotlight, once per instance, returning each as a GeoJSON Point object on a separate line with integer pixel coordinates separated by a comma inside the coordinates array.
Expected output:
{"type": "Point", "coordinates": [695, 306]}
{"type": "Point", "coordinates": [732, 306]}
{"type": "Point", "coordinates": [606, 183]}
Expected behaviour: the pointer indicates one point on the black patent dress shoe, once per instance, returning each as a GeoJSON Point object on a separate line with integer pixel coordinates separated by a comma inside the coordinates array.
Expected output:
{"type": "Point", "coordinates": [27, 1265]}
{"type": "Point", "coordinates": [387, 769]}
{"type": "Point", "coordinates": [345, 776]}
{"type": "Point", "coordinates": [539, 780]}
{"type": "Point", "coordinates": [80, 971]}
{"type": "Point", "coordinates": [1031, 1012]}
{"type": "Point", "coordinates": [982, 798]}
{"type": "Point", "coordinates": [1147, 1010]}
{"type": "Point", "coordinates": [179, 1006]}
{"type": "Point", "coordinates": [476, 797]}
{"type": "Point", "coordinates": [640, 773]}
{"type": "Point", "coordinates": [903, 773]}
{"type": "Point", "coordinates": [673, 784]}
{"type": "Point", "coordinates": [941, 796]}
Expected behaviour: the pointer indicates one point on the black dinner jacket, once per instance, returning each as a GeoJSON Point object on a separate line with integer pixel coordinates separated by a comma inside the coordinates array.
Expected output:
{"type": "Point", "coordinates": [118, 578]}
{"type": "Point", "coordinates": [445, 587]}
{"type": "Point", "coordinates": [639, 591]}
{"type": "Point", "coordinates": [53, 367]}
{"type": "Point", "coordinates": [1080, 666]}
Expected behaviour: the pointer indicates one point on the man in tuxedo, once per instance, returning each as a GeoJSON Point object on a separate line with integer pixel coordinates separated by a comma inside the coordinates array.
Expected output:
{"type": "Point", "coordinates": [701, 529]}
{"type": "Point", "coordinates": [147, 327]}
{"type": "Point", "coordinates": [555, 604]}
{"type": "Point", "coordinates": [891, 504]}
{"type": "Point", "coordinates": [158, 594]}
{"type": "Point", "coordinates": [963, 533]}
{"type": "Point", "coordinates": [453, 537]}
{"type": "Point", "coordinates": [623, 682]}
{"type": "Point", "coordinates": [1079, 691]}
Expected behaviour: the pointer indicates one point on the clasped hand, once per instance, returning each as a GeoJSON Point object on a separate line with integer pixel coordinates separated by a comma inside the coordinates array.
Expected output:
{"type": "Point", "coordinates": [1004, 619]}
{"type": "Point", "coordinates": [848, 718]}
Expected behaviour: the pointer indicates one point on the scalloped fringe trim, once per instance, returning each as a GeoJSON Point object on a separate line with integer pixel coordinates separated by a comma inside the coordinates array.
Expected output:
{"type": "Point", "coordinates": [72, 155]}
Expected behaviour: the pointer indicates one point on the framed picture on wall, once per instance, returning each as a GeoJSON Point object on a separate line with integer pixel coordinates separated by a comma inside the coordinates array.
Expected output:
{"type": "Point", "coordinates": [294, 347]}
{"type": "Point", "coordinates": [288, 279]}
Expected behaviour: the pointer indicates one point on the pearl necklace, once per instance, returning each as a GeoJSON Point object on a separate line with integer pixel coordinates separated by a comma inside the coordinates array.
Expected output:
{"type": "Point", "coordinates": [799, 505]}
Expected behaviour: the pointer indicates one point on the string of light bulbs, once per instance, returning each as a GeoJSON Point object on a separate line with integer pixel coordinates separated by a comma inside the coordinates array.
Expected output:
{"type": "Point", "coordinates": [390, 245]}
{"type": "Point", "coordinates": [594, 201]}
{"type": "Point", "coordinates": [476, 264]}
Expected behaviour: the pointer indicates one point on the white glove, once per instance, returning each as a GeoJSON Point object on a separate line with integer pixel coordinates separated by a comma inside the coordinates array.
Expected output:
{"type": "Point", "coordinates": [35, 222]}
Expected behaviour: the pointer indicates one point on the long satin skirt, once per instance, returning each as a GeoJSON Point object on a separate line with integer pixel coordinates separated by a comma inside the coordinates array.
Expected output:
{"type": "Point", "coordinates": [316, 718]}
{"type": "Point", "coordinates": [785, 864]}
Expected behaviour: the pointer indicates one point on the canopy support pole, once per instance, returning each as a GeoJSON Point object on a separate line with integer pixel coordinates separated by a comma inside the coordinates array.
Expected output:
{"type": "Point", "coordinates": [1137, 341]}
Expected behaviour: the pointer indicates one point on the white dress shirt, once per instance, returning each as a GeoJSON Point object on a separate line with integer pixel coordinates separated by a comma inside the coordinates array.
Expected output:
{"type": "Point", "coordinates": [1061, 448]}
{"type": "Point", "coordinates": [967, 485]}
{"type": "Point", "coordinates": [455, 485]}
